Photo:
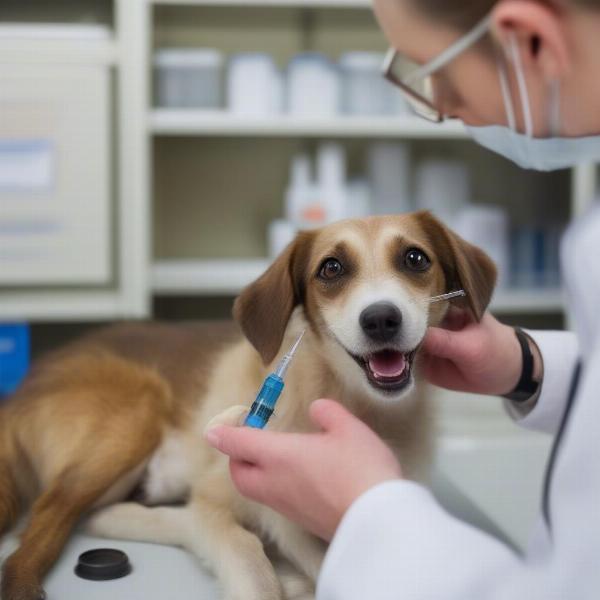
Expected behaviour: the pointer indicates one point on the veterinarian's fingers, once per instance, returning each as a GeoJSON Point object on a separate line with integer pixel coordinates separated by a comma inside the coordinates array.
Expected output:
{"type": "Point", "coordinates": [241, 443]}
{"type": "Point", "coordinates": [329, 415]}
{"type": "Point", "coordinates": [232, 417]}
{"type": "Point", "coordinates": [248, 479]}
{"type": "Point", "coordinates": [443, 343]}
{"type": "Point", "coordinates": [456, 319]}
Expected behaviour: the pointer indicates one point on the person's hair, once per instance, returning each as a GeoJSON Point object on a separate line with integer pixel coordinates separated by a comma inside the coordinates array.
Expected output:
{"type": "Point", "coordinates": [464, 14]}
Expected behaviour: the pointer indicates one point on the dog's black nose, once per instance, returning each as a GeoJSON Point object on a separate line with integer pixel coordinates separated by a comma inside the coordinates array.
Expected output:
{"type": "Point", "coordinates": [381, 321]}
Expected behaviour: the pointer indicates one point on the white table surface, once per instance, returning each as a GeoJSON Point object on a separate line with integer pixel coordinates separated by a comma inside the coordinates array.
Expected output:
{"type": "Point", "coordinates": [462, 484]}
{"type": "Point", "coordinates": [159, 573]}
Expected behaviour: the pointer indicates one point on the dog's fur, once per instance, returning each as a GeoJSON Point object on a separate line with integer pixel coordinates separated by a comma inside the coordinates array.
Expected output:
{"type": "Point", "coordinates": [125, 408]}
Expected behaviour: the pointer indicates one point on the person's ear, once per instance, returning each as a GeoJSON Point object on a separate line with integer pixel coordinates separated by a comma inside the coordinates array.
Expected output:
{"type": "Point", "coordinates": [263, 309]}
{"type": "Point", "coordinates": [541, 33]}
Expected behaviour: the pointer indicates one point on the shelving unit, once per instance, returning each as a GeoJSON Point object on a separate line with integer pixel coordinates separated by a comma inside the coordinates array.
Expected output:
{"type": "Point", "coordinates": [199, 276]}
{"type": "Point", "coordinates": [154, 147]}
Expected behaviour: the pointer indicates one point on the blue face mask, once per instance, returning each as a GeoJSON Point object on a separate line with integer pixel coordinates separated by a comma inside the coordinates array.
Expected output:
{"type": "Point", "coordinates": [541, 154]}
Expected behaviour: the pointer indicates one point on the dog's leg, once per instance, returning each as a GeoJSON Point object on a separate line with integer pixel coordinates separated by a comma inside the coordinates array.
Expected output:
{"type": "Point", "coordinates": [139, 523]}
{"type": "Point", "coordinates": [296, 585]}
{"type": "Point", "coordinates": [93, 467]}
{"type": "Point", "coordinates": [207, 530]}
{"type": "Point", "coordinates": [53, 516]}
{"type": "Point", "coordinates": [9, 501]}
{"type": "Point", "coordinates": [303, 550]}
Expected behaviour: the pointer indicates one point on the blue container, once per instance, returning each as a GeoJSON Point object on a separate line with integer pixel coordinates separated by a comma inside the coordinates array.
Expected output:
{"type": "Point", "coordinates": [14, 356]}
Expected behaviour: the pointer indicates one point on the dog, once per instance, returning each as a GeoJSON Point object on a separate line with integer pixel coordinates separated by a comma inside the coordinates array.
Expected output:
{"type": "Point", "coordinates": [124, 409]}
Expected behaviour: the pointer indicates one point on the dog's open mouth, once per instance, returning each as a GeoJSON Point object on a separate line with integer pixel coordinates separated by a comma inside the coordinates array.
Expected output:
{"type": "Point", "coordinates": [387, 370]}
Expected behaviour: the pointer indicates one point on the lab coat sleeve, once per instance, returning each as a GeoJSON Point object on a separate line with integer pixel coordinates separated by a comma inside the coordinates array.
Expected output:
{"type": "Point", "coordinates": [396, 542]}
{"type": "Point", "coordinates": [560, 354]}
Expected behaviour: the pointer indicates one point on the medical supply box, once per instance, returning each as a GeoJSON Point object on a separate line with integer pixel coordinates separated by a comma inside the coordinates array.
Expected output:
{"type": "Point", "coordinates": [55, 164]}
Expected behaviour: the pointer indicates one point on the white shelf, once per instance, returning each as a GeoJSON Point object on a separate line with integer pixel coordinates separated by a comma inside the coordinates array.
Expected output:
{"type": "Point", "coordinates": [221, 123]}
{"type": "Point", "coordinates": [205, 277]}
{"type": "Point", "coordinates": [523, 301]}
{"type": "Point", "coordinates": [65, 305]}
{"type": "Point", "coordinates": [366, 4]}
{"type": "Point", "coordinates": [229, 276]}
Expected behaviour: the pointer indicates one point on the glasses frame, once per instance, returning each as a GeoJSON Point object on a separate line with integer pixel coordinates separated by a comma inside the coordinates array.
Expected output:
{"type": "Point", "coordinates": [422, 106]}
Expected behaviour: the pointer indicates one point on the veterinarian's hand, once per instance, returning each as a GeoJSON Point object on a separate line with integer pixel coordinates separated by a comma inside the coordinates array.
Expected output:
{"type": "Point", "coordinates": [310, 478]}
{"type": "Point", "coordinates": [482, 358]}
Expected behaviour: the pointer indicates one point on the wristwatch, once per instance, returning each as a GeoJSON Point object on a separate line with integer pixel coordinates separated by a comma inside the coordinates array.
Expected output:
{"type": "Point", "coordinates": [526, 387]}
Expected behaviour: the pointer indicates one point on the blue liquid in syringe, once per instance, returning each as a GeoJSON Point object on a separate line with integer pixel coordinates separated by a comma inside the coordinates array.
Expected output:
{"type": "Point", "coordinates": [264, 405]}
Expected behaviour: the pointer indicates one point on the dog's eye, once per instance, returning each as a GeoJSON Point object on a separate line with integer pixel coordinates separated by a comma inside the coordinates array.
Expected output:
{"type": "Point", "coordinates": [416, 260]}
{"type": "Point", "coordinates": [331, 269]}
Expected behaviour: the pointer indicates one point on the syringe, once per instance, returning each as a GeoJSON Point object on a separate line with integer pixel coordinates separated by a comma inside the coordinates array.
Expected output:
{"type": "Point", "coordinates": [448, 296]}
{"type": "Point", "coordinates": [269, 393]}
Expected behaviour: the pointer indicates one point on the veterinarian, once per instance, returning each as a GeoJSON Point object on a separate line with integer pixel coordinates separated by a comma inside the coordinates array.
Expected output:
{"type": "Point", "coordinates": [529, 84]}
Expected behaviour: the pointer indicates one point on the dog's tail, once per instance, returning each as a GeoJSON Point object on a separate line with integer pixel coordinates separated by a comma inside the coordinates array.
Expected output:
{"type": "Point", "coordinates": [9, 496]}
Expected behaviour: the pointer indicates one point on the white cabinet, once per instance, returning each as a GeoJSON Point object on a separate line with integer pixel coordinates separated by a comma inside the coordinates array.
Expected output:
{"type": "Point", "coordinates": [73, 240]}
{"type": "Point", "coordinates": [54, 174]}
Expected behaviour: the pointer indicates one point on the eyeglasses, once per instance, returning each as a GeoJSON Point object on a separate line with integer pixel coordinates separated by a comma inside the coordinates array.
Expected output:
{"type": "Point", "coordinates": [416, 81]}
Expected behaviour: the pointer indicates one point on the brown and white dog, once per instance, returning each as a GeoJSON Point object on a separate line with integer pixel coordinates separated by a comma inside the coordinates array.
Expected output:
{"type": "Point", "coordinates": [126, 407]}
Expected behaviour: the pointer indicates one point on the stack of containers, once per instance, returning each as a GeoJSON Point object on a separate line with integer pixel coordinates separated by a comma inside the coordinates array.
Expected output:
{"type": "Point", "coordinates": [189, 78]}
{"type": "Point", "coordinates": [252, 85]}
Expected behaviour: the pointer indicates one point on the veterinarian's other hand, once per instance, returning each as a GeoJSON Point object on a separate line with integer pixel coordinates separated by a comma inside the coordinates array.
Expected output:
{"type": "Point", "coordinates": [310, 478]}
{"type": "Point", "coordinates": [482, 358]}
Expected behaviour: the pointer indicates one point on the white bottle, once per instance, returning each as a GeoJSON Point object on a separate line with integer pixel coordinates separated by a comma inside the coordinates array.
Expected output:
{"type": "Point", "coordinates": [280, 234]}
{"type": "Point", "coordinates": [253, 85]}
{"type": "Point", "coordinates": [331, 175]}
{"type": "Point", "coordinates": [487, 226]}
{"type": "Point", "coordinates": [303, 205]}
{"type": "Point", "coordinates": [313, 86]}
{"type": "Point", "coordinates": [389, 168]}
{"type": "Point", "coordinates": [359, 196]}
{"type": "Point", "coordinates": [443, 187]}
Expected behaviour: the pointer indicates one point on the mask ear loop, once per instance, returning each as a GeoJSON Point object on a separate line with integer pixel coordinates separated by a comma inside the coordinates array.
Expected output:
{"type": "Point", "coordinates": [506, 97]}
{"type": "Point", "coordinates": [554, 111]}
{"type": "Point", "coordinates": [526, 105]}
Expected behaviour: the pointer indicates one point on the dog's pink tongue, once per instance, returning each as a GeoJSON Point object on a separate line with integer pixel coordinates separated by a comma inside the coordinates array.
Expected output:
{"type": "Point", "coordinates": [387, 364]}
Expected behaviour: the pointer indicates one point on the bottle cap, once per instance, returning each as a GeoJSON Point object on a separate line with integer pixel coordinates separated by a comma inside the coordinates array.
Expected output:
{"type": "Point", "coordinates": [103, 564]}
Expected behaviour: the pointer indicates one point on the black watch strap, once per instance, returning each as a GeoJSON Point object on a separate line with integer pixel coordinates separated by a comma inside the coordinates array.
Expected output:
{"type": "Point", "coordinates": [526, 387]}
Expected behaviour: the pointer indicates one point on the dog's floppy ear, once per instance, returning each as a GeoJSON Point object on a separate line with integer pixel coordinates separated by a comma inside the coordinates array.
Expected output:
{"type": "Point", "coordinates": [263, 309]}
{"type": "Point", "coordinates": [465, 266]}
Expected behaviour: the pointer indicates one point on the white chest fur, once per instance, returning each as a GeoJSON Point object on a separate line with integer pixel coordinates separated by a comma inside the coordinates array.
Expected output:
{"type": "Point", "coordinates": [169, 471]}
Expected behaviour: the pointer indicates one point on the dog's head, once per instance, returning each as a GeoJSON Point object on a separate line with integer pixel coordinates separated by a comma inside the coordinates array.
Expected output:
{"type": "Point", "coordinates": [363, 285]}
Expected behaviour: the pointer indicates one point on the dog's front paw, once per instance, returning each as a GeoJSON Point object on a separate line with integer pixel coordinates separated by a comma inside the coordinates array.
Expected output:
{"type": "Point", "coordinates": [233, 416]}
{"type": "Point", "coordinates": [20, 588]}
{"type": "Point", "coordinates": [109, 522]}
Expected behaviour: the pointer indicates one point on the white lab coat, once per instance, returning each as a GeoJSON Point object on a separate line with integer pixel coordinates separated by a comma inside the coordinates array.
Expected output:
{"type": "Point", "coordinates": [396, 542]}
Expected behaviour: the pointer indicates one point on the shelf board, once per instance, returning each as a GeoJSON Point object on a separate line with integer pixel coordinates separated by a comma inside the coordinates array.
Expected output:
{"type": "Point", "coordinates": [229, 276]}
{"type": "Point", "coordinates": [65, 305]}
{"type": "Point", "coordinates": [529, 301]}
{"type": "Point", "coordinates": [205, 277]}
{"type": "Point", "coordinates": [221, 123]}
{"type": "Point", "coordinates": [364, 4]}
